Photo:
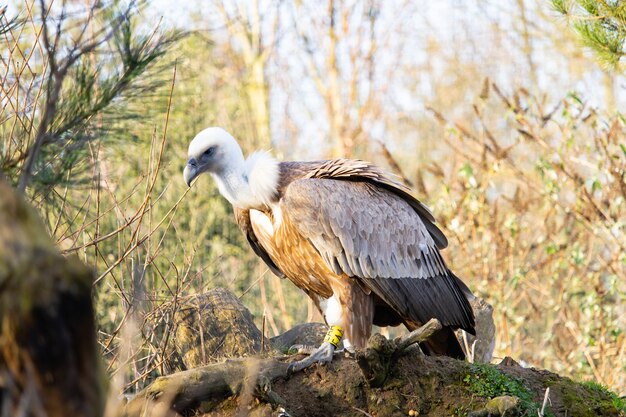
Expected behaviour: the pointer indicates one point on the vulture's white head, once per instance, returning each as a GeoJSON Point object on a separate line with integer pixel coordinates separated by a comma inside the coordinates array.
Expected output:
{"type": "Point", "coordinates": [213, 150]}
{"type": "Point", "coordinates": [246, 183]}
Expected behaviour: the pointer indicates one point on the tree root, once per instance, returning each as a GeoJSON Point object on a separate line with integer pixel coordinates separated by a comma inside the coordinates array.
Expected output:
{"type": "Point", "coordinates": [377, 360]}
{"type": "Point", "coordinates": [185, 390]}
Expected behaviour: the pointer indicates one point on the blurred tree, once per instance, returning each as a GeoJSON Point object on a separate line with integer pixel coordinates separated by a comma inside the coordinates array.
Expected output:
{"type": "Point", "coordinates": [249, 35]}
{"type": "Point", "coordinates": [339, 46]}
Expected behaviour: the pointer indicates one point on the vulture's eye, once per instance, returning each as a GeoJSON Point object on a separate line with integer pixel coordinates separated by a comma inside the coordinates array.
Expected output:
{"type": "Point", "coordinates": [209, 151]}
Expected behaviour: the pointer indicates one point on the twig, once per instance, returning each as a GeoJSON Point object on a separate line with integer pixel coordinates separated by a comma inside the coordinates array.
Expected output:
{"type": "Point", "coordinates": [263, 333]}
{"type": "Point", "coordinates": [362, 411]}
{"type": "Point", "coordinates": [393, 163]}
{"type": "Point", "coordinates": [546, 398]}
{"type": "Point", "coordinates": [418, 335]}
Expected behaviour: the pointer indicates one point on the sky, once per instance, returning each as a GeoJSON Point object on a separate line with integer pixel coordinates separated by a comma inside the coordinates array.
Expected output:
{"type": "Point", "coordinates": [418, 38]}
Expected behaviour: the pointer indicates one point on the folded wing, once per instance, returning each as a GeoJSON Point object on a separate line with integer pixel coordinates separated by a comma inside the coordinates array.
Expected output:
{"type": "Point", "coordinates": [372, 230]}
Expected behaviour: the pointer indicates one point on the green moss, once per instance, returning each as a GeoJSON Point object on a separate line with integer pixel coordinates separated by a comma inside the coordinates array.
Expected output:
{"type": "Point", "coordinates": [488, 382]}
{"type": "Point", "coordinates": [601, 391]}
{"type": "Point", "coordinates": [590, 399]}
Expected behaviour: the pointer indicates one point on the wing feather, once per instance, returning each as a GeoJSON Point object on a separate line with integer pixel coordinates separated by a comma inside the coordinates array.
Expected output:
{"type": "Point", "coordinates": [356, 223]}
{"type": "Point", "coordinates": [356, 170]}
{"type": "Point", "coordinates": [243, 220]}
{"type": "Point", "coordinates": [365, 231]}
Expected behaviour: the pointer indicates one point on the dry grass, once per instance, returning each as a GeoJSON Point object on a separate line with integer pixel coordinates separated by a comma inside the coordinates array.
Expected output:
{"type": "Point", "coordinates": [536, 207]}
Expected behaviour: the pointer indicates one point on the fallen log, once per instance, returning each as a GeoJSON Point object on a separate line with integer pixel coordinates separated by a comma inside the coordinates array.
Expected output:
{"type": "Point", "coordinates": [388, 378]}
{"type": "Point", "coordinates": [418, 385]}
{"type": "Point", "coordinates": [183, 391]}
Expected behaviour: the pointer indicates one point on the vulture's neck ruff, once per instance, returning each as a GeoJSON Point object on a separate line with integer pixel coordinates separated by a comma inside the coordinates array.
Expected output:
{"type": "Point", "coordinates": [250, 183]}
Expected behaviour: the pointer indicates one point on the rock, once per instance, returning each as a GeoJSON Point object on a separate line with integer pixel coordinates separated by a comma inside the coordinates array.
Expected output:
{"type": "Point", "coordinates": [505, 405]}
{"type": "Point", "coordinates": [485, 340]}
{"type": "Point", "coordinates": [212, 326]}
{"type": "Point", "coordinates": [308, 334]}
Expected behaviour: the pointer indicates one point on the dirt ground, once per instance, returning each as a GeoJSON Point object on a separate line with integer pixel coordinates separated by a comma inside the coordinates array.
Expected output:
{"type": "Point", "coordinates": [423, 386]}
{"type": "Point", "coordinates": [416, 385]}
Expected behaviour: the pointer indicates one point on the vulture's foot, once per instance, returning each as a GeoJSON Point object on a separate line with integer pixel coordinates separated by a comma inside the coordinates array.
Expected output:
{"type": "Point", "coordinates": [302, 349]}
{"type": "Point", "coordinates": [348, 352]}
{"type": "Point", "coordinates": [322, 355]}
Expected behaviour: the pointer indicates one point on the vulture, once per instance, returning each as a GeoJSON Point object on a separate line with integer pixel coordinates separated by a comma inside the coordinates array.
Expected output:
{"type": "Point", "coordinates": [350, 236]}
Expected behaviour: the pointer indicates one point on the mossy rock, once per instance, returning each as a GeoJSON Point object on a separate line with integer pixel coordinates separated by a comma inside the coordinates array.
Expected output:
{"type": "Point", "coordinates": [588, 399]}
{"type": "Point", "coordinates": [212, 326]}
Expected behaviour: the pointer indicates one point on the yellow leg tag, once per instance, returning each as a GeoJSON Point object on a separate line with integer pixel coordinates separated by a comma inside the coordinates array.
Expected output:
{"type": "Point", "coordinates": [334, 335]}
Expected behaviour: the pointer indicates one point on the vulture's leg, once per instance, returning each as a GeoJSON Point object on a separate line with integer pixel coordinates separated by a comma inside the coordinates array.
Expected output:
{"type": "Point", "coordinates": [349, 313]}
{"type": "Point", "coordinates": [323, 354]}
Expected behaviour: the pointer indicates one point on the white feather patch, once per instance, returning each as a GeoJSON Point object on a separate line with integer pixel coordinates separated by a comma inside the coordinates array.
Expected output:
{"type": "Point", "coordinates": [262, 172]}
{"type": "Point", "coordinates": [260, 221]}
{"type": "Point", "coordinates": [212, 136]}
{"type": "Point", "coordinates": [277, 213]}
{"type": "Point", "coordinates": [347, 345]}
{"type": "Point", "coordinates": [332, 311]}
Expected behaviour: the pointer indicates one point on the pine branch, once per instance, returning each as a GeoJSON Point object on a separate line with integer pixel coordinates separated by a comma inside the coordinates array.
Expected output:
{"type": "Point", "coordinates": [79, 88]}
{"type": "Point", "coordinates": [600, 25]}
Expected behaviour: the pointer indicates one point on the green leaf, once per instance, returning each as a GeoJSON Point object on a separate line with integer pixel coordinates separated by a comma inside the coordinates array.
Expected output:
{"type": "Point", "coordinates": [561, 6]}
{"type": "Point", "coordinates": [575, 97]}
{"type": "Point", "coordinates": [466, 170]}
{"type": "Point", "coordinates": [596, 186]}
{"type": "Point", "coordinates": [578, 256]}
{"type": "Point", "coordinates": [551, 249]}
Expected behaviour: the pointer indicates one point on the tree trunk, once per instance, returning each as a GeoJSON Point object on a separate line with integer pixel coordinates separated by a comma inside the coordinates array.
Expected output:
{"type": "Point", "coordinates": [49, 360]}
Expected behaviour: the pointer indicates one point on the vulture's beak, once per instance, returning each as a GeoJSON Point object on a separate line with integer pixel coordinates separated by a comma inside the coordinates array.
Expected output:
{"type": "Point", "coordinates": [191, 171]}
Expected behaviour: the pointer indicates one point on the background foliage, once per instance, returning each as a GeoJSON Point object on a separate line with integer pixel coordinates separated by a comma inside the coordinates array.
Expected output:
{"type": "Point", "coordinates": [492, 111]}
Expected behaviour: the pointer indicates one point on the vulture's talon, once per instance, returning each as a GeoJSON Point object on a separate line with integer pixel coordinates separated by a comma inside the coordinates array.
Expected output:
{"type": "Point", "coordinates": [348, 352]}
{"type": "Point", "coordinates": [301, 349]}
{"type": "Point", "coordinates": [322, 355]}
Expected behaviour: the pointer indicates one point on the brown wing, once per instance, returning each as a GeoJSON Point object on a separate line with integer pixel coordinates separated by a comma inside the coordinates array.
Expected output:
{"type": "Point", "coordinates": [365, 230]}
{"type": "Point", "coordinates": [243, 220]}
{"type": "Point", "coordinates": [356, 170]}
